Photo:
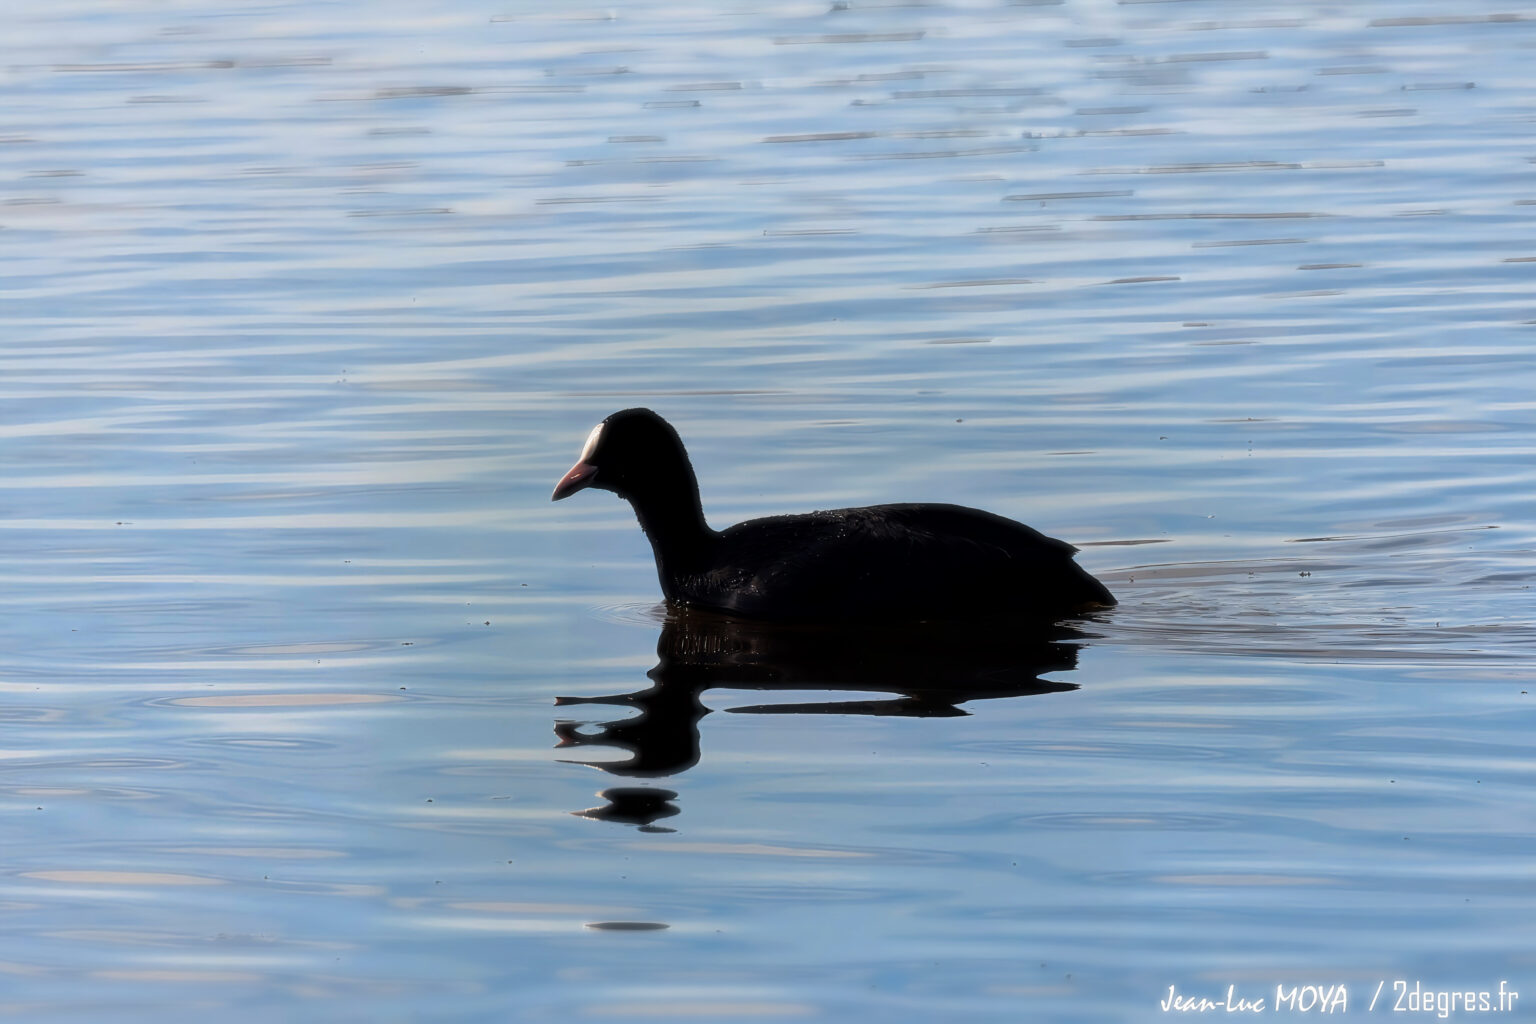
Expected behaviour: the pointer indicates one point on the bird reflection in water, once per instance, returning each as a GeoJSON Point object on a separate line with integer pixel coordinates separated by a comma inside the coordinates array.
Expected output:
{"type": "Point", "coordinates": [923, 670]}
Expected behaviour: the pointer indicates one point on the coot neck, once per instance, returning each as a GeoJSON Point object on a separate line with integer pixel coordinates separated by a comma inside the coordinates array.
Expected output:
{"type": "Point", "coordinates": [672, 516]}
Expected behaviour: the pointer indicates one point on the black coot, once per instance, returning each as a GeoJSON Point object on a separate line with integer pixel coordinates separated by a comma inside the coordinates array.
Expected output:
{"type": "Point", "coordinates": [885, 562]}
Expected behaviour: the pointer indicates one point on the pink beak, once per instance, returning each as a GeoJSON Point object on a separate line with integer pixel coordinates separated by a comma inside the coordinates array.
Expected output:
{"type": "Point", "coordinates": [579, 477]}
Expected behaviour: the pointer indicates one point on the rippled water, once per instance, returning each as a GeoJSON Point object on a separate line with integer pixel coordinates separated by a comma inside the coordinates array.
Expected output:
{"type": "Point", "coordinates": [306, 307]}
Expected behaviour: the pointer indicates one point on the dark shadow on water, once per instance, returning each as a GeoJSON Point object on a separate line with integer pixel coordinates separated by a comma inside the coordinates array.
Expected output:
{"type": "Point", "coordinates": [920, 671]}
{"type": "Point", "coordinates": [634, 805]}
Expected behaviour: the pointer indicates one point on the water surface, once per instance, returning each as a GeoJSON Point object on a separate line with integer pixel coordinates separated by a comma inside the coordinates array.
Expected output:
{"type": "Point", "coordinates": [306, 307]}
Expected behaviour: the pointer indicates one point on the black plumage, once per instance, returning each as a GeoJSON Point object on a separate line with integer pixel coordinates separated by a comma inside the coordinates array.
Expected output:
{"type": "Point", "coordinates": [906, 562]}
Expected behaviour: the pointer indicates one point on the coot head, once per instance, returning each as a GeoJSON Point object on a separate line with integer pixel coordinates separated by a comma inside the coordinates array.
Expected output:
{"type": "Point", "coordinates": [632, 453]}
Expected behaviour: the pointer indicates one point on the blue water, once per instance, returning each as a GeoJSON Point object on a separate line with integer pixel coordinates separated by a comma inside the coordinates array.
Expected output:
{"type": "Point", "coordinates": [305, 308]}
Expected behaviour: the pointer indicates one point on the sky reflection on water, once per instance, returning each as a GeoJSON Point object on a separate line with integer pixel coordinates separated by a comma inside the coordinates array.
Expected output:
{"type": "Point", "coordinates": [306, 308]}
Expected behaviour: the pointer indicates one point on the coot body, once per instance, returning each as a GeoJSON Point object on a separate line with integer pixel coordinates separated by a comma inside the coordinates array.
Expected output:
{"type": "Point", "coordinates": [907, 562]}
